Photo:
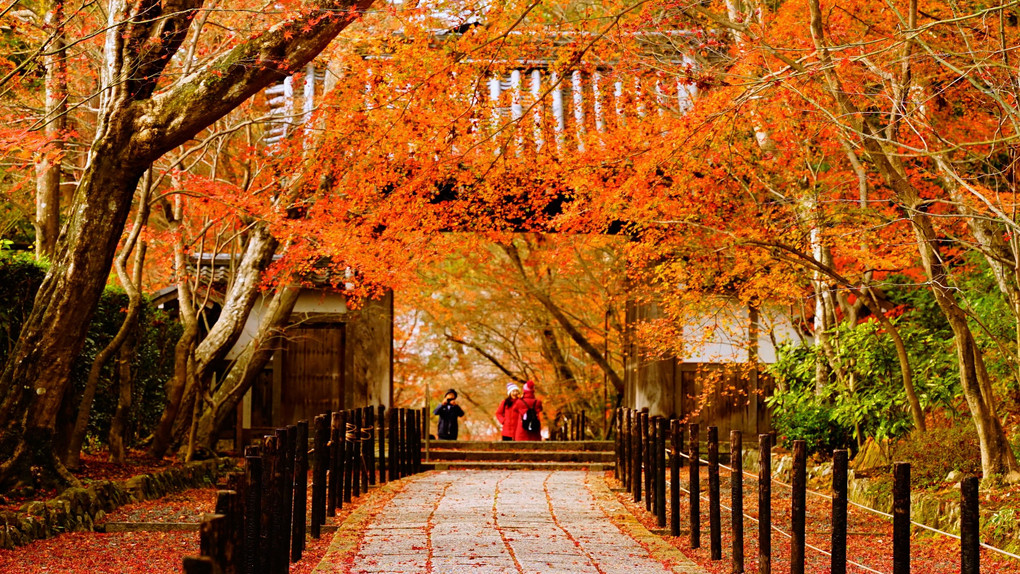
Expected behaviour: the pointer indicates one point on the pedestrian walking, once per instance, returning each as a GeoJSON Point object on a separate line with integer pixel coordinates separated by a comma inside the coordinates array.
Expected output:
{"type": "Point", "coordinates": [448, 413]}
{"type": "Point", "coordinates": [528, 411]}
{"type": "Point", "coordinates": [505, 413]}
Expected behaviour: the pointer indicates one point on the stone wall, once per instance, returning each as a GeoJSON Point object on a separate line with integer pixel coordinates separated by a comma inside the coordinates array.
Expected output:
{"type": "Point", "coordinates": [80, 508]}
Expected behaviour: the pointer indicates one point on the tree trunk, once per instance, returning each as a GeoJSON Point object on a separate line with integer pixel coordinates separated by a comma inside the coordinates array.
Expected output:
{"type": "Point", "coordinates": [564, 321]}
{"type": "Point", "coordinates": [125, 384]}
{"type": "Point", "coordinates": [185, 347]}
{"type": "Point", "coordinates": [48, 171]}
{"type": "Point", "coordinates": [247, 367]}
{"type": "Point", "coordinates": [996, 454]}
{"type": "Point", "coordinates": [133, 287]}
{"type": "Point", "coordinates": [136, 126]}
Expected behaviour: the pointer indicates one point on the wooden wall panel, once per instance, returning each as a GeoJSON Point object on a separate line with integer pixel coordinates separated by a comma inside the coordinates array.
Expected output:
{"type": "Point", "coordinates": [313, 372]}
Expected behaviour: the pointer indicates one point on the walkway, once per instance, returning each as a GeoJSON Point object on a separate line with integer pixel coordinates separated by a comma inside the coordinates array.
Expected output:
{"type": "Point", "coordinates": [503, 522]}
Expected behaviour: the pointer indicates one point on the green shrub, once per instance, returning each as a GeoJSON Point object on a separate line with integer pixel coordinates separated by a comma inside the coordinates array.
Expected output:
{"type": "Point", "coordinates": [152, 363]}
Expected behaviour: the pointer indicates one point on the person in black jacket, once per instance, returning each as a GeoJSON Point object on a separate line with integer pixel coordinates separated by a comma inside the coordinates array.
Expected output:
{"type": "Point", "coordinates": [448, 413]}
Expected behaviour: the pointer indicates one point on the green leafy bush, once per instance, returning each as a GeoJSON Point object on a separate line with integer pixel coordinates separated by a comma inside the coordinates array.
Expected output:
{"type": "Point", "coordinates": [152, 361]}
{"type": "Point", "coordinates": [867, 398]}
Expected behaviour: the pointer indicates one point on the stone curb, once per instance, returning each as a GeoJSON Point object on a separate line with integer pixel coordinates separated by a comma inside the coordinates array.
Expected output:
{"type": "Point", "coordinates": [347, 539]}
{"type": "Point", "coordinates": [78, 509]}
{"type": "Point", "coordinates": [658, 548]}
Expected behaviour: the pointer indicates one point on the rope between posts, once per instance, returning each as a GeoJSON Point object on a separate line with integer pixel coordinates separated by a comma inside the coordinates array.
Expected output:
{"type": "Point", "coordinates": [788, 535]}
{"type": "Point", "coordinates": [861, 506]}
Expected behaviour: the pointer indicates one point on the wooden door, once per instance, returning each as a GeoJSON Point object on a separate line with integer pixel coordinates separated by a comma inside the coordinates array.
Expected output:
{"type": "Point", "coordinates": [313, 372]}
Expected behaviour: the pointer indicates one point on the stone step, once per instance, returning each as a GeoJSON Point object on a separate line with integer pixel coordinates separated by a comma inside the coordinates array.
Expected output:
{"type": "Point", "coordinates": [595, 456]}
{"type": "Point", "coordinates": [545, 445]}
{"type": "Point", "coordinates": [511, 465]}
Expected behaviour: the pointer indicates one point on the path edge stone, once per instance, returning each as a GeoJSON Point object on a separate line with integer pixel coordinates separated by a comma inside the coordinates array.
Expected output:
{"type": "Point", "coordinates": [345, 543]}
{"type": "Point", "coordinates": [658, 548]}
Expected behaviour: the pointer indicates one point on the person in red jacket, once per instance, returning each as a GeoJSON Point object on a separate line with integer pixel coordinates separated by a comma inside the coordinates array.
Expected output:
{"type": "Point", "coordinates": [505, 413]}
{"type": "Point", "coordinates": [521, 407]}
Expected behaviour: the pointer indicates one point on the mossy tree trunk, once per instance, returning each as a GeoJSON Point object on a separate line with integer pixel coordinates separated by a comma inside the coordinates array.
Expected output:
{"type": "Point", "coordinates": [136, 126]}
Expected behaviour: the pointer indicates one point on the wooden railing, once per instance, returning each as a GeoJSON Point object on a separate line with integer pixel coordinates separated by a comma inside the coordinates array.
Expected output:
{"type": "Point", "coordinates": [570, 427]}
{"type": "Point", "coordinates": [260, 522]}
{"type": "Point", "coordinates": [642, 462]}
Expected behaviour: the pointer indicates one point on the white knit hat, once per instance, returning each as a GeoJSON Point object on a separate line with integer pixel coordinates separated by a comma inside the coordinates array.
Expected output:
{"type": "Point", "coordinates": [511, 387]}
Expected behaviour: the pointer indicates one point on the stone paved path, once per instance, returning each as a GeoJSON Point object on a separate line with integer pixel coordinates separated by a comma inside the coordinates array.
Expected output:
{"type": "Point", "coordinates": [507, 522]}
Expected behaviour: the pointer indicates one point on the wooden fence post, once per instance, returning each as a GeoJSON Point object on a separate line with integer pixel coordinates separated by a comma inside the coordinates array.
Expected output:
{"type": "Point", "coordinates": [360, 480]}
{"type": "Point", "coordinates": [391, 441]}
{"type": "Point", "coordinates": [419, 437]}
{"type": "Point", "coordinates": [617, 444]}
{"type": "Point", "coordinates": [343, 459]}
{"type": "Point", "coordinates": [646, 456]}
{"type": "Point", "coordinates": [660, 471]}
{"type": "Point", "coordinates": [370, 443]}
{"type": "Point", "coordinates": [635, 462]}
{"type": "Point", "coordinates": [798, 507]}
{"type": "Point", "coordinates": [352, 472]}
{"type": "Point", "coordinates": [213, 539]}
{"type": "Point", "coordinates": [288, 442]}
{"type": "Point", "coordinates": [676, 440]}
{"type": "Point", "coordinates": [839, 508]}
{"type": "Point", "coordinates": [737, 500]}
{"type": "Point", "coordinates": [901, 518]}
{"type": "Point", "coordinates": [627, 457]}
{"type": "Point", "coordinates": [270, 504]}
{"type": "Point", "coordinates": [381, 419]}
{"type": "Point", "coordinates": [694, 484]}
{"type": "Point", "coordinates": [300, 490]}
{"type": "Point", "coordinates": [405, 442]}
{"type": "Point", "coordinates": [714, 514]}
{"type": "Point", "coordinates": [334, 481]}
{"type": "Point", "coordinates": [765, 504]}
{"type": "Point", "coordinates": [230, 548]}
{"type": "Point", "coordinates": [970, 527]}
{"type": "Point", "coordinates": [252, 509]}
{"type": "Point", "coordinates": [199, 565]}
{"type": "Point", "coordinates": [319, 467]}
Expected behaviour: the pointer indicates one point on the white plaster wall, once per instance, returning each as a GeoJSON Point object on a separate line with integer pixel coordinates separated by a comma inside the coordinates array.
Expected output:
{"type": "Point", "coordinates": [309, 301]}
{"type": "Point", "coordinates": [722, 335]}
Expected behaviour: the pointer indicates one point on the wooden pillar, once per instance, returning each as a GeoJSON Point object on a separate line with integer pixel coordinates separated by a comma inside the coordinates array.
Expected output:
{"type": "Point", "coordinates": [765, 504]}
{"type": "Point", "coordinates": [694, 482]}
{"type": "Point", "coordinates": [252, 509]}
{"type": "Point", "coordinates": [901, 518]}
{"type": "Point", "coordinates": [360, 474]}
{"type": "Point", "coordinates": [660, 470]}
{"type": "Point", "coordinates": [798, 507]}
{"type": "Point", "coordinates": [714, 513]}
{"type": "Point", "coordinates": [839, 511]}
{"type": "Point", "coordinates": [419, 438]}
{"type": "Point", "coordinates": [231, 539]}
{"type": "Point", "coordinates": [646, 456]}
{"type": "Point", "coordinates": [676, 439]}
{"type": "Point", "coordinates": [635, 462]}
{"type": "Point", "coordinates": [391, 441]}
{"type": "Point", "coordinates": [335, 453]}
{"type": "Point", "coordinates": [737, 500]}
{"type": "Point", "coordinates": [320, 464]}
{"type": "Point", "coordinates": [618, 443]}
{"type": "Point", "coordinates": [352, 483]}
{"type": "Point", "coordinates": [970, 527]}
{"type": "Point", "coordinates": [625, 447]}
{"type": "Point", "coordinates": [270, 505]}
{"type": "Point", "coordinates": [300, 490]}
{"type": "Point", "coordinates": [381, 418]}
{"type": "Point", "coordinates": [369, 419]}
{"type": "Point", "coordinates": [288, 444]}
